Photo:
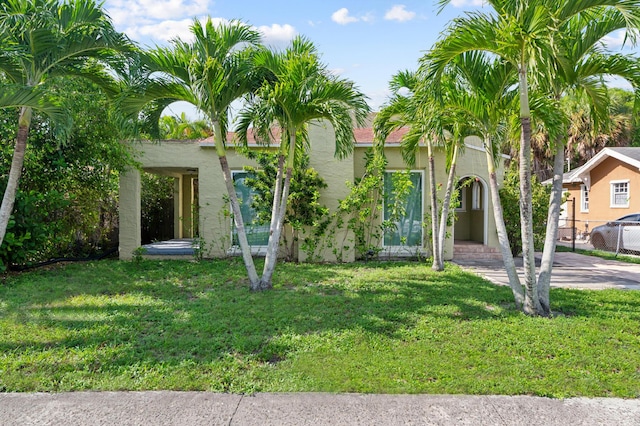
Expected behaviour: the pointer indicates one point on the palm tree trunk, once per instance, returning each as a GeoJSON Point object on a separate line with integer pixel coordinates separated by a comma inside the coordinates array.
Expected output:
{"type": "Point", "coordinates": [503, 237]}
{"type": "Point", "coordinates": [277, 195]}
{"type": "Point", "coordinates": [245, 248]}
{"type": "Point", "coordinates": [278, 214]}
{"type": "Point", "coordinates": [254, 281]}
{"type": "Point", "coordinates": [551, 236]}
{"type": "Point", "coordinates": [9, 198]}
{"type": "Point", "coordinates": [434, 209]}
{"type": "Point", "coordinates": [532, 302]}
{"type": "Point", "coordinates": [442, 232]}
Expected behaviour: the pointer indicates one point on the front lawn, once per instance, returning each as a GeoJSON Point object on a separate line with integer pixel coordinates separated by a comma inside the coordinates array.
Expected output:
{"type": "Point", "coordinates": [376, 327]}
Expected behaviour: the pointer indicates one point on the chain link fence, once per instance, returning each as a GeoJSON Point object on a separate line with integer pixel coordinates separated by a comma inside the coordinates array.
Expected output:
{"type": "Point", "coordinates": [618, 236]}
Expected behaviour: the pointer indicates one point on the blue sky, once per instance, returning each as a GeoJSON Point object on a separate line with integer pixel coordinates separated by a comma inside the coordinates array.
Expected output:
{"type": "Point", "coordinates": [365, 41]}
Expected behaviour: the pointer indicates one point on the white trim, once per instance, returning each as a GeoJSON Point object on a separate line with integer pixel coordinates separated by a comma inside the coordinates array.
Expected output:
{"type": "Point", "coordinates": [395, 249]}
{"type": "Point", "coordinates": [485, 204]}
{"type": "Point", "coordinates": [235, 249]}
{"type": "Point", "coordinates": [612, 194]}
{"type": "Point", "coordinates": [475, 192]}
{"type": "Point", "coordinates": [600, 157]}
{"type": "Point", "coordinates": [584, 190]}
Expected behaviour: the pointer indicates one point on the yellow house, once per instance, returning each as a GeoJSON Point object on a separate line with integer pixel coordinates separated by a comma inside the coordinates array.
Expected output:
{"type": "Point", "coordinates": [198, 179]}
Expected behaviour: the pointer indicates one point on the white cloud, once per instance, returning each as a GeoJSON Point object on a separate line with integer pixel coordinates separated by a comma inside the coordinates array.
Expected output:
{"type": "Point", "coordinates": [158, 20]}
{"type": "Point", "coordinates": [463, 3]}
{"type": "Point", "coordinates": [616, 40]}
{"type": "Point", "coordinates": [165, 30]}
{"type": "Point", "coordinates": [399, 13]}
{"type": "Point", "coordinates": [342, 17]}
{"type": "Point", "coordinates": [277, 35]}
{"type": "Point", "coordinates": [134, 12]}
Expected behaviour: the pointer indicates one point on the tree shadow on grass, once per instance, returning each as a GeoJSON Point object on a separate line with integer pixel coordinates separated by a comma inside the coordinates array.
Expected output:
{"type": "Point", "coordinates": [174, 313]}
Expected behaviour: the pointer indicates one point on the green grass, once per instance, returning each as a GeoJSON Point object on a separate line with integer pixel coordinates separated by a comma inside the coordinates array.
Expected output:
{"type": "Point", "coordinates": [376, 327]}
{"type": "Point", "coordinates": [602, 254]}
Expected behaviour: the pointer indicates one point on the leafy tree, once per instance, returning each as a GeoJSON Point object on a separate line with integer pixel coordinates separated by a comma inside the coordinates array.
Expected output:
{"type": "Point", "coordinates": [172, 127]}
{"type": "Point", "coordinates": [428, 118]}
{"type": "Point", "coordinates": [297, 90]}
{"type": "Point", "coordinates": [509, 195]}
{"type": "Point", "coordinates": [67, 204]}
{"type": "Point", "coordinates": [529, 34]}
{"type": "Point", "coordinates": [482, 97]}
{"type": "Point", "coordinates": [303, 209]}
{"type": "Point", "coordinates": [210, 72]}
{"type": "Point", "coordinates": [40, 41]}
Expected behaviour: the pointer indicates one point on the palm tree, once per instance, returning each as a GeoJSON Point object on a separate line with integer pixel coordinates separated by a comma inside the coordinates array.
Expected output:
{"type": "Point", "coordinates": [41, 41]}
{"type": "Point", "coordinates": [297, 90]}
{"type": "Point", "coordinates": [580, 70]}
{"type": "Point", "coordinates": [526, 34]}
{"type": "Point", "coordinates": [172, 127]}
{"type": "Point", "coordinates": [211, 72]}
{"type": "Point", "coordinates": [483, 98]}
{"type": "Point", "coordinates": [426, 119]}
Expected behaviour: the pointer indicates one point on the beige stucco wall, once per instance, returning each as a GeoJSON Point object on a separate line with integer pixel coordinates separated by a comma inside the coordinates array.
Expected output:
{"type": "Point", "coordinates": [189, 158]}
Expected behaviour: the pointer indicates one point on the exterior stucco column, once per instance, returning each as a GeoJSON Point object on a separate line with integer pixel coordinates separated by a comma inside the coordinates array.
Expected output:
{"type": "Point", "coordinates": [187, 203]}
{"type": "Point", "coordinates": [177, 208]}
{"type": "Point", "coordinates": [214, 227]}
{"type": "Point", "coordinates": [129, 213]}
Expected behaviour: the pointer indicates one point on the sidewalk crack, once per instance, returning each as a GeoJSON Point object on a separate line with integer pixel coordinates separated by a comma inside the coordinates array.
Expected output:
{"type": "Point", "coordinates": [236, 410]}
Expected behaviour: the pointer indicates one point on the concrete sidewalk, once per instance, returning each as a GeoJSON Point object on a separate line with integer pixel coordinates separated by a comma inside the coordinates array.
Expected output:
{"type": "Point", "coordinates": [570, 270]}
{"type": "Point", "coordinates": [204, 408]}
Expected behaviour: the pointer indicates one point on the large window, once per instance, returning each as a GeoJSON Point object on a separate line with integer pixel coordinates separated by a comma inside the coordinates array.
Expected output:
{"type": "Point", "coordinates": [257, 234]}
{"type": "Point", "coordinates": [584, 199]}
{"type": "Point", "coordinates": [403, 201]}
{"type": "Point", "coordinates": [620, 193]}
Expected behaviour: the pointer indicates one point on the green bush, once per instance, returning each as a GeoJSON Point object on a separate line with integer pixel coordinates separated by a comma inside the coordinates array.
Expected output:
{"type": "Point", "coordinates": [510, 197]}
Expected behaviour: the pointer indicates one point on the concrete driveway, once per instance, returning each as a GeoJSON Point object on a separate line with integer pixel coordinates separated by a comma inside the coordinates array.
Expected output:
{"type": "Point", "coordinates": [570, 270]}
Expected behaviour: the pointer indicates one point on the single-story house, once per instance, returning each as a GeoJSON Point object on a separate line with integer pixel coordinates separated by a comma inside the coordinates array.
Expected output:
{"type": "Point", "coordinates": [603, 188]}
{"type": "Point", "coordinates": [198, 179]}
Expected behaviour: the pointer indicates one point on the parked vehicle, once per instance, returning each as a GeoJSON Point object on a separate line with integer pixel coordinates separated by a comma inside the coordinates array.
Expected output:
{"type": "Point", "coordinates": [622, 234]}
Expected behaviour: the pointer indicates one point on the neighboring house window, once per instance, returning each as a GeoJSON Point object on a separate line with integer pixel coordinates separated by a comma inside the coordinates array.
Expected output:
{"type": "Point", "coordinates": [257, 234]}
{"type": "Point", "coordinates": [476, 200]}
{"type": "Point", "coordinates": [584, 199]}
{"type": "Point", "coordinates": [620, 193]}
{"type": "Point", "coordinates": [403, 202]}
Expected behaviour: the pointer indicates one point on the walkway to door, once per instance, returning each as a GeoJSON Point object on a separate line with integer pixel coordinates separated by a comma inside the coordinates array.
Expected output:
{"type": "Point", "coordinates": [570, 270]}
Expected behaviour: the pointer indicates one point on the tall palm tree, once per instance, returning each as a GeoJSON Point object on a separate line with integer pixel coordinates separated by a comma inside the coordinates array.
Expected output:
{"type": "Point", "coordinates": [581, 67]}
{"type": "Point", "coordinates": [525, 33]}
{"type": "Point", "coordinates": [210, 72]}
{"type": "Point", "coordinates": [297, 90]}
{"type": "Point", "coordinates": [409, 106]}
{"type": "Point", "coordinates": [484, 98]}
{"type": "Point", "coordinates": [42, 40]}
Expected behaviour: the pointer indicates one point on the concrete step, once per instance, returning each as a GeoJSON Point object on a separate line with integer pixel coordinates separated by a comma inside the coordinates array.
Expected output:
{"type": "Point", "coordinates": [475, 252]}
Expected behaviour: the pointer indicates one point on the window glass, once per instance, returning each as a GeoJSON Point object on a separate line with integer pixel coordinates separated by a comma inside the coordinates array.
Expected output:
{"type": "Point", "coordinates": [403, 209]}
{"type": "Point", "coordinates": [584, 195]}
{"type": "Point", "coordinates": [257, 234]}
{"type": "Point", "coordinates": [620, 194]}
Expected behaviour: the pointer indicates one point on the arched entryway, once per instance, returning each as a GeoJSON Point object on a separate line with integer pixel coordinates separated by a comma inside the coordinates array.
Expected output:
{"type": "Point", "coordinates": [471, 222]}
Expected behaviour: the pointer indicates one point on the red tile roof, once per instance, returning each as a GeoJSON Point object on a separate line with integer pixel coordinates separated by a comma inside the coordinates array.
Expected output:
{"type": "Point", "coordinates": [362, 136]}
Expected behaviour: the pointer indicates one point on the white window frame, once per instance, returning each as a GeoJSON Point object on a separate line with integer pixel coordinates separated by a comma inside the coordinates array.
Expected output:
{"type": "Point", "coordinates": [584, 199]}
{"type": "Point", "coordinates": [462, 190]}
{"type": "Point", "coordinates": [235, 249]}
{"type": "Point", "coordinates": [400, 248]}
{"type": "Point", "coordinates": [476, 199]}
{"type": "Point", "coordinates": [613, 185]}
